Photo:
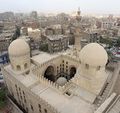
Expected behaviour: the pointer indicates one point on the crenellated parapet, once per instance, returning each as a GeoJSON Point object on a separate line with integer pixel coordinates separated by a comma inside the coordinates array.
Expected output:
{"type": "Point", "coordinates": [60, 89]}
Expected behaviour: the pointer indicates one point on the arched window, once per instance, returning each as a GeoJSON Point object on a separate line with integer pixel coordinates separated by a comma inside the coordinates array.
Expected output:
{"type": "Point", "coordinates": [32, 108]}
{"type": "Point", "coordinates": [86, 66]}
{"type": "Point", "coordinates": [98, 68]}
{"type": "Point", "coordinates": [80, 61]}
{"type": "Point", "coordinates": [39, 108]}
{"type": "Point", "coordinates": [25, 66]}
{"type": "Point", "coordinates": [18, 67]}
{"type": "Point", "coordinates": [45, 110]}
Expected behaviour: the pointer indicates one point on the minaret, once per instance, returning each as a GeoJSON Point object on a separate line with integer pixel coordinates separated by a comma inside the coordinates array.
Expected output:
{"type": "Point", "coordinates": [77, 34]}
{"type": "Point", "coordinates": [77, 44]}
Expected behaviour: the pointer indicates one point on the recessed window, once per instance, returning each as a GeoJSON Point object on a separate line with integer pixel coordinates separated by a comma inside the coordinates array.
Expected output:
{"type": "Point", "coordinates": [80, 61]}
{"type": "Point", "coordinates": [68, 93]}
{"type": "Point", "coordinates": [66, 70]}
{"type": "Point", "coordinates": [21, 97]}
{"type": "Point", "coordinates": [32, 108]}
{"type": "Point", "coordinates": [15, 85]}
{"type": "Point", "coordinates": [86, 66]}
{"type": "Point", "coordinates": [25, 100]}
{"type": "Point", "coordinates": [23, 93]}
{"type": "Point", "coordinates": [27, 72]}
{"type": "Point", "coordinates": [25, 65]}
{"type": "Point", "coordinates": [27, 109]}
{"type": "Point", "coordinates": [98, 68]}
{"type": "Point", "coordinates": [39, 108]}
{"type": "Point", "coordinates": [39, 105]}
{"type": "Point", "coordinates": [18, 67]}
{"type": "Point", "coordinates": [45, 110]}
{"type": "Point", "coordinates": [57, 71]}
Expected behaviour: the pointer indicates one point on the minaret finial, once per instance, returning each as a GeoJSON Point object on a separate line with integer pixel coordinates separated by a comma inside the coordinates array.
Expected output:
{"type": "Point", "coordinates": [78, 12]}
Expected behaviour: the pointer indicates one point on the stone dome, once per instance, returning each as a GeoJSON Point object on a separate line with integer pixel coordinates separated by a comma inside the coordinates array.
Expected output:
{"type": "Point", "coordinates": [61, 81]}
{"type": "Point", "coordinates": [18, 48]}
{"type": "Point", "coordinates": [94, 54]}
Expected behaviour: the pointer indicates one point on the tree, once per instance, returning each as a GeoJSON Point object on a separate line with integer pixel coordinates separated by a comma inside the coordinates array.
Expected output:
{"type": "Point", "coordinates": [44, 47]}
{"type": "Point", "coordinates": [106, 41]}
{"type": "Point", "coordinates": [2, 97]}
{"type": "Point", "coordinates": [117, 43]}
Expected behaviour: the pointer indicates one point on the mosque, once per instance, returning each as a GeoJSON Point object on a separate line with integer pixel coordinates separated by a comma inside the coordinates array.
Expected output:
{"type": "Point", "coordinates": [74, 81]}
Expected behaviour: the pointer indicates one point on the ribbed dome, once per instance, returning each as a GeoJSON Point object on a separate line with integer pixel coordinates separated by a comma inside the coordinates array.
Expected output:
{"type": "Point", "coordinates": [94, 55]}
{"type": "Point", "coordinates": [18, 48]}
{"type": "Point", "coordinates": [61, 81]}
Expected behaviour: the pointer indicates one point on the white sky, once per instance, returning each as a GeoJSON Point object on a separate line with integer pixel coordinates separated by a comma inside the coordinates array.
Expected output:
{"type": "Point", "coordinates": [87, 6]}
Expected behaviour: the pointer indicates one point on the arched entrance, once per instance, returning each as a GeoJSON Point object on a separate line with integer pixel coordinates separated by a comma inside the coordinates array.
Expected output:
{"type": "Point", "coordinates": [49, 73]}
{"type": "Point", "coordinates": [18, 67]}
{"type": "Point", "coordinates": [72, 72]}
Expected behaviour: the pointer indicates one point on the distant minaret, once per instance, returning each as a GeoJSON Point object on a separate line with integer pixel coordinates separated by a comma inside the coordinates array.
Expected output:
{"type": "Point", "coordinates": [78, 16]}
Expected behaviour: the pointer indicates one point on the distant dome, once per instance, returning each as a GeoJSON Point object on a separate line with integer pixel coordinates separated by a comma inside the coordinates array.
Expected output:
{"type": "Point", "coordinates": [94, 54]}
{"type": "Point", "coordinates": [18, 47]}
{"type": "Point", "coordinates": [61, 81]}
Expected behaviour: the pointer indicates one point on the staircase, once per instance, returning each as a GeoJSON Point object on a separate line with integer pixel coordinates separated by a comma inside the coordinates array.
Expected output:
{"type": "Point", "coordinates": [115, 108]}
{"type": "Point", "coordinates": [108, 88]}
{"type": "Point", "coordinates": [103, 96]}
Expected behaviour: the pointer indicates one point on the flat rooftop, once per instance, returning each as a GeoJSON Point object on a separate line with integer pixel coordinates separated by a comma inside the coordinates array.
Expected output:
{"type": "Point", "coordinates": [56, 37]}
{"type": "Point", "coordinates": [44, 57]}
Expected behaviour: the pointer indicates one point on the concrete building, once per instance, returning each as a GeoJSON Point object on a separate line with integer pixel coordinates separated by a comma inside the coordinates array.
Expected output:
{"type": "Point", "coordinates": [35, 34]}
{"type": "Point", "coordinates": [7, 16]}
{"type": "Point", "coordinates": [108, 23]}
{"type": "Point", "coordinates": [57, 43]}
{"type": "Point", "coordinates": [1, 27]}
{"type": "Point", "coordinates": [5, 39]}
{"type": "Point", "coordinates": [54, 30]}
{"type": "Point", "coordinates": [94, 36]}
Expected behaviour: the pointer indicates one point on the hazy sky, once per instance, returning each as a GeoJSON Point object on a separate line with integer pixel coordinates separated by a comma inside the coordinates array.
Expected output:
{"type": "Point", "coordinates": [87, 6]}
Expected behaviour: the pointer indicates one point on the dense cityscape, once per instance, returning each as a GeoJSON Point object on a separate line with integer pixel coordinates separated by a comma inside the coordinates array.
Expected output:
{"type": "Point", "coordinates": [59, 62]}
